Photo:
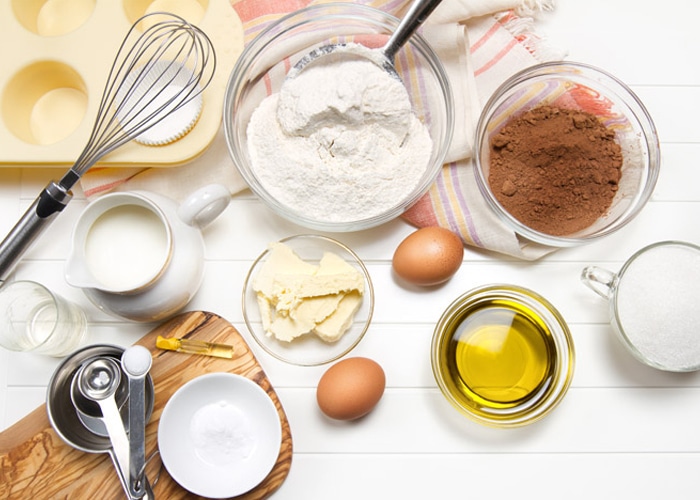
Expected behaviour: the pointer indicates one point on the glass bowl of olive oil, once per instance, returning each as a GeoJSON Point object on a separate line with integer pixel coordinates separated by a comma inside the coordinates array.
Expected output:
{"type": "Point", "coordinates": [502, 355]}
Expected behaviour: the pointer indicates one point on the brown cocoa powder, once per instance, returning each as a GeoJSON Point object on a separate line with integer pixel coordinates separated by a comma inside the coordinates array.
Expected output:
{"type": "Point", "coordinates": [556, 170]}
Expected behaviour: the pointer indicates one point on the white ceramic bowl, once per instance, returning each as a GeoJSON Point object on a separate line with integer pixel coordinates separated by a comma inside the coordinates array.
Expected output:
{"type": "Point", "coordinates": [219, 435]}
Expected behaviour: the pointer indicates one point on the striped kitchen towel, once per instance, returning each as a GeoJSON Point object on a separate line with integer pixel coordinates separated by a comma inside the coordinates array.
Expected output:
{"type": "Point", "coordinates": [499, 46]}
{"type": "Point", "coordinates": [480, 42]}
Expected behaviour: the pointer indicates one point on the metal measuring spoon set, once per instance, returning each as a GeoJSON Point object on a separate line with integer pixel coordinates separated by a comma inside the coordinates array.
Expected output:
{"type": "Point", "coordinates": [99, 400]}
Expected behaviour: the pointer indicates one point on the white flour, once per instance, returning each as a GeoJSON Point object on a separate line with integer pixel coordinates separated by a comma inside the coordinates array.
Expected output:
{"type": "Point", "coordinates": [340, 142]}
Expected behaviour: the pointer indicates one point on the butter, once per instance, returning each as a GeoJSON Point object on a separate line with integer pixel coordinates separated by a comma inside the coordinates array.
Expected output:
{"type": "Point", "coordinates": [280, 259]}
{"type": "Point", "coordinates": [333, 327]}
{"type": "Point", "coordinates": [286, 328]}
{"type": "Point", "coordinates": [297, 298]}
{"type": "Point", "coordinates": [292, 289]}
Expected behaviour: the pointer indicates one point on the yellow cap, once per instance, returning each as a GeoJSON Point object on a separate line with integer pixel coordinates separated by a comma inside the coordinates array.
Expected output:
{"type": "Point", "coordinates": [171, 344]}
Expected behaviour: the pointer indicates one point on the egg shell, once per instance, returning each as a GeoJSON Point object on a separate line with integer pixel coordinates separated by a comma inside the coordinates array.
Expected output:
{"type": "Point", "coordinates": [428, 256]}
{"type": "Point", "coordinates": [350, 388]}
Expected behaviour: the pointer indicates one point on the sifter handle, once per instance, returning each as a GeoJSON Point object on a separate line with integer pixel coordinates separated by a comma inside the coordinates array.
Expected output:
{"type": "Point", "coordinates": [417, 13]}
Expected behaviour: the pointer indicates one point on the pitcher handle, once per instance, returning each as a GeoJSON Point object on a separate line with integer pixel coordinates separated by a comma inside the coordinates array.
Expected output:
{"type": "Point", "coordinates": [600, 280]}
{"type": "Point", "coordinates": [204, 205]}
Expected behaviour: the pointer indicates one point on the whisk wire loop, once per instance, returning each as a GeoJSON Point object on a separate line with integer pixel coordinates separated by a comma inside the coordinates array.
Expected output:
{"type": "Point", "coordinates": [167, 65]}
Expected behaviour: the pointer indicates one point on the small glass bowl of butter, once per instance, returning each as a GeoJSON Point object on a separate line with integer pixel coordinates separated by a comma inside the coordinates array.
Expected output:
{"type": "Point", "coordinates": [308, 300]}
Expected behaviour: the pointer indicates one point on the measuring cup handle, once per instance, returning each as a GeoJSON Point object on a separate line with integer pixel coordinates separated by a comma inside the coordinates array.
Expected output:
{"type": "Point", "coordinates": [600, 280]}
{"type": "Point", "coordinates": [204, 205]}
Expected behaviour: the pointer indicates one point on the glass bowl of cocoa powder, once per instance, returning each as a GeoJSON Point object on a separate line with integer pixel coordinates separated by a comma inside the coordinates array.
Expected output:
{"type": "Point", "coordinates": [565, 153]}
{"type": "Point", "coordinates": [360, 146]}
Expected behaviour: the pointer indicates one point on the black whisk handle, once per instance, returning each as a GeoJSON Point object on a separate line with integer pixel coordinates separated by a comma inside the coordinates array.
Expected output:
{"type": "Point", "coordinates": [35, 220]}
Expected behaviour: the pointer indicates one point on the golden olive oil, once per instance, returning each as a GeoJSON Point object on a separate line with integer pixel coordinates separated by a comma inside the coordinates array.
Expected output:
{"type": "Point", "coordinates": [498, 355]}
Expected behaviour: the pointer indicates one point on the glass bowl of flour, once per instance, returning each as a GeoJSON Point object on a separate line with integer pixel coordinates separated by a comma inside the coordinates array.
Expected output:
{"type": "Point", "coordinates": [344, 145]}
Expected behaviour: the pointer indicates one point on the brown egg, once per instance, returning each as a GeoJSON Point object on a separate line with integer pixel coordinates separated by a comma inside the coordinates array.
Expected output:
{"type": "Point", "coordinates": [428, 256]}
{"type": "Point", "coordinates": [350, 388]}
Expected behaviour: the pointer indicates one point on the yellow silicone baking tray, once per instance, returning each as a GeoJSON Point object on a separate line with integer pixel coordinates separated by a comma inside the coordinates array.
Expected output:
{"type": "Point", "coordinates": [56, 55]}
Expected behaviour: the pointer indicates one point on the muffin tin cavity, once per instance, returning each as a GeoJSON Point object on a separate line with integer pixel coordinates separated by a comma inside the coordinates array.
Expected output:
{"type": "Point", "coordinates": [192, 10]}
{"type": "Point", "coordinates": [55, 72]}
{"type": "Point", "coordinates": [52, 17]}
{"type": "Point", "coordinates": [44, 102]}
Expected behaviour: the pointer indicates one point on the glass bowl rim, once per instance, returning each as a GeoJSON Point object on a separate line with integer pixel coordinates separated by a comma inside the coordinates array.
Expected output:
{"type": "Point", "coordinates": [564, 345]}
{"type": "Point", "coordinates": [368, 295]}
{"type": "Point", "coordinates": [650, 139]}
{"type": "Point", "coordinates": [236, 82]}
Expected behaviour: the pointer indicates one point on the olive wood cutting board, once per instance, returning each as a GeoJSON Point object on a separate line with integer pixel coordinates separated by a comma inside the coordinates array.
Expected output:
{"type": "Point", "coordinates": [36, 463]}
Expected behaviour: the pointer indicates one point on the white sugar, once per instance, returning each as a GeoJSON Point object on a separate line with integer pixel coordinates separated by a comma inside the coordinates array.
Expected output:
{"type": "Point", "coordinates": [221, 434]}
{"type": "Point", "coordinates": [657, 302]}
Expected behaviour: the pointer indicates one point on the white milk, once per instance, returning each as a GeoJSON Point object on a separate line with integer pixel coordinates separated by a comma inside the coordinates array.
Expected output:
{"type": "Point", "coordinates": [657, 306]}
{"type": "Point", "coordinates": [126, 247]}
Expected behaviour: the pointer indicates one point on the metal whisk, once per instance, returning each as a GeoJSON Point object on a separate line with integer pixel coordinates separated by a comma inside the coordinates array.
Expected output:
{"type": "Point", "coordinates": [155, 73]}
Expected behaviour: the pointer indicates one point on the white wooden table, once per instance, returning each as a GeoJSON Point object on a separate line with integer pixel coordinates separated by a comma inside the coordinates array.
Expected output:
{"type": "Point", "coordinates": [622, 431]}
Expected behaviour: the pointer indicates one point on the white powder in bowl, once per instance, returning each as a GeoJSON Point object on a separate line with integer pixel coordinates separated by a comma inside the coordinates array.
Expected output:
{"type": "Point", "coordinates": [657, 306]}
{"type": "Point", "coordinates": [340, 141]}
{"type": "Point", "coordinates": [221, 434]}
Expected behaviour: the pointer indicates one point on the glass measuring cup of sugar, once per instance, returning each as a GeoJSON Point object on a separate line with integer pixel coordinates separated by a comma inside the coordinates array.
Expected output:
{"type": "Point", "coordinates": [33, 318]}
{"type": "Point", "coordinates": [653, 304]}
